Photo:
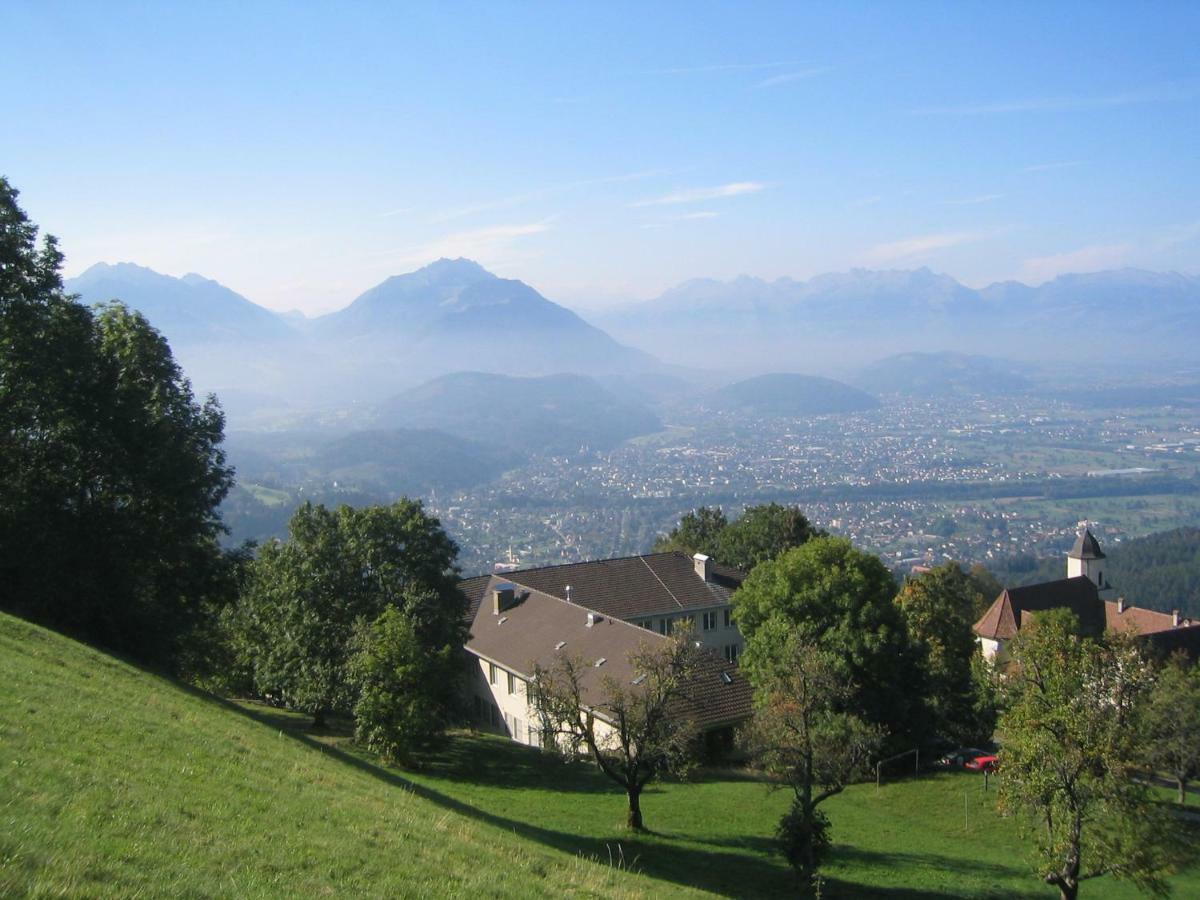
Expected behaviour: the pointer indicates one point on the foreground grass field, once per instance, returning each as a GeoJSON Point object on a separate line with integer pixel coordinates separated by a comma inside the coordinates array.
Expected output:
{"type": "Point", "coordinates": [114, 781]}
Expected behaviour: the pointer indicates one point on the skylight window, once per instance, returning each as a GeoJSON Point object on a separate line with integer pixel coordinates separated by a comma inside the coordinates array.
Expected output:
{"type": "Point", "coordinates": [560, 645]}
{"type": "Point", "coordinates": [601, 661]}
{"type": "Point", "coordinates": [639, 679]}
{"type": "Point", "coordinates": [727, 678]}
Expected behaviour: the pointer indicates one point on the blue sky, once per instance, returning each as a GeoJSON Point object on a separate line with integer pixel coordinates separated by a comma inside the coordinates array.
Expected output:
{"type": "Point", "coordinates": [302, 152]}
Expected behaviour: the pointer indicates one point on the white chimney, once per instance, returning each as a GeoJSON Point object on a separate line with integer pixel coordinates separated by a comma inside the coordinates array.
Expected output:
{"type": "Point", "coordinates": [1120, 604]}
{"type": "Point", "coordinates": [593, 618]}
{"type": "Point", "coordinates": [568, 593]}
{"type": "Point", "coordinates": [502, 598]}
{"type": "Point", "coordinates": [1175, 617]}
{"type": "Point", "coordinates": [703, 565]}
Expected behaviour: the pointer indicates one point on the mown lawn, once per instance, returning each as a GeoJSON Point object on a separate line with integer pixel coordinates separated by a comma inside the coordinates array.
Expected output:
{"type": "Point", "coordinates": [114, 781]}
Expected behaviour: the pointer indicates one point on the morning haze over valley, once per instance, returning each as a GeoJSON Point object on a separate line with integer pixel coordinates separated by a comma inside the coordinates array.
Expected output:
{"type": "Point", "coordinates": [602, 450]}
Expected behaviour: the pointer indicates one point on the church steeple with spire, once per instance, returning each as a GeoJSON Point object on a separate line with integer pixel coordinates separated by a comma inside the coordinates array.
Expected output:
{"type": "Point", "coordinates": [1087, 559]}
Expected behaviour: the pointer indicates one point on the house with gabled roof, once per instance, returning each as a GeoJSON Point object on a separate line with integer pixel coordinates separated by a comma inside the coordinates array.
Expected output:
{"type": "Point", "coordinates": [1088, 594]}
{"type": "Point", "coordinates": [601, 612]}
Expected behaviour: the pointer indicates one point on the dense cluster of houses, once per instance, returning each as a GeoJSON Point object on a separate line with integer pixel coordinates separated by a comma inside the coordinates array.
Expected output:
{"type": "Point", "coordinates": [603, 611]}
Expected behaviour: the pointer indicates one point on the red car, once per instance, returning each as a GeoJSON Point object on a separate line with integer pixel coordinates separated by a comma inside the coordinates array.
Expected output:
{"type": "Point", "coordinates": [982, 764]}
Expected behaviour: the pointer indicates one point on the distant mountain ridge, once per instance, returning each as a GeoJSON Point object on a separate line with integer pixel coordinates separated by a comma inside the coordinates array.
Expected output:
{"type": "Point", "coordinates": [852, 317]}
{"type": "Point", "coordinates": [942, 374]}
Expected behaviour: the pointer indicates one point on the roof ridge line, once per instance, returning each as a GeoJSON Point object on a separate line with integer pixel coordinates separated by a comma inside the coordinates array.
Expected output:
{"type": "Point", "coordinates": [660, 581]}
{"type": "Point", "coordinates": [583, 562]}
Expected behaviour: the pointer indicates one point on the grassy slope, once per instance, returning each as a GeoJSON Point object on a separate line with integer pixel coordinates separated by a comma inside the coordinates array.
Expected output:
{"type": "Point", "coordinates": [114, 781]}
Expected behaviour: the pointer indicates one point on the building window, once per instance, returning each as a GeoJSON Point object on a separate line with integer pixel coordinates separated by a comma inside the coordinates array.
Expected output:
{"type": "Point", "coordinates": [512, 683]}
{"type": "Point", "coordinates": [728, 617]}
{"type": "Point", "coordinates": [710, 620]}
{"type": "Point", "coordinates": [492, 673]}
{"type": "Point", "coordinates": [663, 626]}
{"type": "Point", "coordinates": [731, 652]}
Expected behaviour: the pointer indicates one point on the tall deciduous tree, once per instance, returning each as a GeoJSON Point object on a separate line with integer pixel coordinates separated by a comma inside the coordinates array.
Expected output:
{"type": "Point", "coordinates": [939, 609]}
{"type": "Point", "coordinates": [406, 689]}
{"type": "Point", "coordinates": [1071, 744]}
{"type": "Point", "coordinates": [801, 734]}
{"type": "Point", "coordinates": [697, 532]}
{"type": "Point", "coordinates": [1172, 724]}
{"type": "Point", "coordinates": [635, 732]}
{"type": "Point", "coordinates": [840, 599]}
{"type": "Point", "coordinates": [761, 533]}
{"type": "Point", "coordinates": [338, 570]}
{"type": "Point", "coordinates": [113, 472]}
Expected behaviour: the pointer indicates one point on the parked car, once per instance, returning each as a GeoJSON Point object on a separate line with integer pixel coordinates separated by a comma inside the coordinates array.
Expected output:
{"type": "Point", "coordinates": [985, 763]}
{"type": "Point", "coordinates": [960, 757]}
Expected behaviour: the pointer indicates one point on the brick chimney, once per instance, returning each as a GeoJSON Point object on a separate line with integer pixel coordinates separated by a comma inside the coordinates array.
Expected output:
{"type": "Point", "coordinates": [703, 566]}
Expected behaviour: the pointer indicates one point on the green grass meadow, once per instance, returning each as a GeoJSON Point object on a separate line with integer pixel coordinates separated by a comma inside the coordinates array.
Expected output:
{"type": "Point", "coordinates": [116, 782]}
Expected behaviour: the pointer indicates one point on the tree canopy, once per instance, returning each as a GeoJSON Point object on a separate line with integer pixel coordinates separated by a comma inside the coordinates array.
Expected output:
{"type": "Point", "coordinates": [939, 609]}
{"type": "Point", "coordinates": [829, 594]}
{"type": "Point", "coordinates": [1172, 722]}
{"type": "Point", "coordinates": [113, 472]}
{"type": "Point", "coordinates": [758, 534]}
{"type": "Point", "coordinates": [1071, 746]}
{"type": "Point", "coordinates": [339, 570]}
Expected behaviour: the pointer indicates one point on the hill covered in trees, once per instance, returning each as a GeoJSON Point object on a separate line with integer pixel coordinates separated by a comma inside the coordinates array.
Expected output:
{"type": "Point", "coordinates": [788, 394]}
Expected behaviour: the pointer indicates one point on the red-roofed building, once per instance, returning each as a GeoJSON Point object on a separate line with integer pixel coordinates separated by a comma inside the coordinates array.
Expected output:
{"type": "Point", "coordinates": [1086, 592]}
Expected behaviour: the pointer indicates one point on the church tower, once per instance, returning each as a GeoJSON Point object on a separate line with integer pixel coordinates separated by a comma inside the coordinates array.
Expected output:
{"type": "Point", "coordinates": [1087, 559]}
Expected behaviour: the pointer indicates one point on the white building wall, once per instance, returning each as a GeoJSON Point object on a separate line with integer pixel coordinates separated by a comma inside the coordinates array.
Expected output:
{"type": "Point", "coordinates": [723, 636]}
{"type": "Point", "coordinates": [495, 708]}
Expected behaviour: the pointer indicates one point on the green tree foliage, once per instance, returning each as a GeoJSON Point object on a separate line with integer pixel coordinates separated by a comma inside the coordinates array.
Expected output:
{"type": "Point", "coordinates": [406, 689]}
{"type": "Point", "coordinates": [697, 532]}
{"type": "Point", "coordinates": [827, 593]}
{"type": "Point", "coordinates": [113, 472]}
{"type": "Point", "coordinates": [939, 609]}
{"type": "Point", "coordinates": [760, 533]}
{"type": "Point", "coordinates": [1071, 744]}
{"type": "Point", "coordinates": [339, 569]}
{"type": "Point", "coordinates": [634, 732]}
{"type": "Point", "coordinates": [1172, 723]}
{"type": "Point", "coordinates": [801, 734]}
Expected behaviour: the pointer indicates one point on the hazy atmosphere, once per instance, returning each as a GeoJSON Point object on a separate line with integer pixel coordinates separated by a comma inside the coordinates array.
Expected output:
{"type": "Point", "coordinates": [600, 450]}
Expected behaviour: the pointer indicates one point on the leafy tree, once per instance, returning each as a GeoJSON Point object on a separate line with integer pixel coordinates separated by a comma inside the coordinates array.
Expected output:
{"type": "Point", "coordinates": [1173, 722]}
{"type": "Point", "coordinates": [938, 608]}
{"type": "Point", "coordinates": [338, 569]}
{"type": "Point", "coordinates": [697, 532]}
{"type": "Point", "coordinates": [761, 533]}
{"type": "Point", "coordinates": [635, 732]}
{"type": "Point", "coordinates": [1070, 745]}
{"type": "Point", "coordinates": [406, 690]}
{"type": "Point", "coordinates": [841, 600]}
{"type": "Point", "coordinates": [800, 734]}
{"type": "Point", "coordinates": [113, 471]}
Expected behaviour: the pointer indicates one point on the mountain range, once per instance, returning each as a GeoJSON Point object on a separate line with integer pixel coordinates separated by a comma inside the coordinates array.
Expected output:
{"type": "Point", "coordinates": [850, 318]}
{"type": "Point", "coordinates": [454, 316]}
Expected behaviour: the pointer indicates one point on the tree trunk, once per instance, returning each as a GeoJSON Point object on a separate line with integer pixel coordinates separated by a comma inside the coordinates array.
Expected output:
{"type": "Point", "coordinates": [634, 819]}
{"type": "Point", "coordinates": [1182, 782]}
{"type": "Point", "coordinates": [319, 719]}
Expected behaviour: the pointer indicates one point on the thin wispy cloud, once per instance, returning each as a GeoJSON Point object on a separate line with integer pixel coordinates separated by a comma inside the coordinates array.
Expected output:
{"type": "Point", "coordinates": [699, 216]}
{"type": "Point", "coordinates": [723, 67]}
{"type": "Point", "coordinates": [1168, 92]}
{"type": "Point", "coordinates": [789, 77]}
{"type": "Point", "coordinates": [704, 194]}
{"type": "Point", "coordinates": [974, 201]}
{"type": "Point", "coordinates": [395, 212]}
{"type": "Point", "coordinates": [543, 192]}
{"type": "Point", "coordinates": [910, 248]}
{"type": "Point", "coordinates": [1052, 166]}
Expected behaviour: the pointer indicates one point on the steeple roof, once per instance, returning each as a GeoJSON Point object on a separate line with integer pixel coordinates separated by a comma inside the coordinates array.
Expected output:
{"type": "Point", "coordinates": [1086, 547]}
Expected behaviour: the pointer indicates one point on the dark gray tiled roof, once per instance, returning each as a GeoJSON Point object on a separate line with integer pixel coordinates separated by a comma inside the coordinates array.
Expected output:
{"type": "Point", "coordinates": [629, 587]}
{"type": "Point", "coordinates": [534, 627]}
{"type": "Point", "coordinates": [1086, 547]}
